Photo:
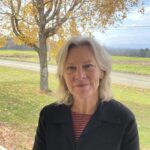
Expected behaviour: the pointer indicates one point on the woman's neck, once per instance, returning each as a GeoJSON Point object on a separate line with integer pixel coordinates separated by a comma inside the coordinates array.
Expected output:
{"type": "Point", "coordinates": [85, 106]}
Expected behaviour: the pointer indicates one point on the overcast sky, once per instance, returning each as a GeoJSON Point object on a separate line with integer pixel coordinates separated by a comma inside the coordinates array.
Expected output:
{"type": "Point", "coordinates": [134, 32]}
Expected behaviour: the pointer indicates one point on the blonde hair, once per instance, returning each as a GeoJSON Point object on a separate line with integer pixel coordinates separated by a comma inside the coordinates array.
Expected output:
{"type": "Point", "coordinates": [103, 60]}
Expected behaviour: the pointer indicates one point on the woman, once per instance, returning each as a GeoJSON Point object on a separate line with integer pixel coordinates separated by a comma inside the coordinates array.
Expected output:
{"type": "Point", "coordinates": [86, 118]}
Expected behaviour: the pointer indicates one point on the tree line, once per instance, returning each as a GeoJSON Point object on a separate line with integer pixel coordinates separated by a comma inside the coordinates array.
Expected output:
{"type": "Point", "coordinates": [141, 52]}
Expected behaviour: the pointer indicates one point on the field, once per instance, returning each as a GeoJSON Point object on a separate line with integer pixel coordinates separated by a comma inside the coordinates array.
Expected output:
{"type": "Point", "coordinates": [136, 65]}
{"type": "Point", "coordinates": [21, 101]}
{"type": "Point", "coordinates": [26, 55]}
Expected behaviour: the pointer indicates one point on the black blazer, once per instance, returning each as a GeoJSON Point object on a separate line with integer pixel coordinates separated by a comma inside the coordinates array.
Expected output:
{"type": "Point", "coordinates": [112, 127]}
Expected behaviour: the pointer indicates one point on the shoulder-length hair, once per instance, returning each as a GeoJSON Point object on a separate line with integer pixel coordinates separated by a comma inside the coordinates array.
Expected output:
{"type": "Point", "coordinates": [102, 58]}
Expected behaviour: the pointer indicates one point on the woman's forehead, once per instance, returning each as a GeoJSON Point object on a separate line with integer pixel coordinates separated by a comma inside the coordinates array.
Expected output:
{"type": "Point", "coordinates": [80, 54]}
{"type": "Point", "coordinates": [80, 51]}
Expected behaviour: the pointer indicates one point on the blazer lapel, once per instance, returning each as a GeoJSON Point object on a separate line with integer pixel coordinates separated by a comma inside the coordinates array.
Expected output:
{"type": "Point", "coordinates": [68, 129]}
{"type": "Point", "coordinates": [104, 113]}
{"type": "Point", "coordinates": [94, 122]}
{"type": "Point", "coordinates": [64, 119]}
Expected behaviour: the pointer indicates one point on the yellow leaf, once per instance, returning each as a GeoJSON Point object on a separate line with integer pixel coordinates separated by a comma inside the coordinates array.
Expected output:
{"type": "Point", "coordinates": [3, 41]}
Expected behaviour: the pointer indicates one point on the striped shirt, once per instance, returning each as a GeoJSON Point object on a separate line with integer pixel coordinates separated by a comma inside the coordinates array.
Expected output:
{"type": "Point", "coordinates": [79, 122]}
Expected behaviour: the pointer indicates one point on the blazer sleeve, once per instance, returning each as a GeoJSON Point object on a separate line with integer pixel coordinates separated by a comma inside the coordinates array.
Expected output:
{"type": "Point", "coordinates": [131, 137]}
{"type": "Point", "coordinates": [40, 143]}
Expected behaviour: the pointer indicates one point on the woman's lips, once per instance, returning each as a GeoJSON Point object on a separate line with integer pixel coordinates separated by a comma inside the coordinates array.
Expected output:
{"type": "Point", "coordinates": [81, 85]}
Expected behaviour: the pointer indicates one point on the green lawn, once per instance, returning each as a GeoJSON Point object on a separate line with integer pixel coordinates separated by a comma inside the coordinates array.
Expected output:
{"type": "Point", "coordinates": [130, 58]}
{"type": "Point", "coordinates": [21, 101]}
{"type": "Point", "coordinates": [138, 101]}
{"type": "Point", "coordinates": [137, 65]}
{"type": "Point", "coordinates": [22, 55]}
{"type": "Point", "coordinates": [132, 68]}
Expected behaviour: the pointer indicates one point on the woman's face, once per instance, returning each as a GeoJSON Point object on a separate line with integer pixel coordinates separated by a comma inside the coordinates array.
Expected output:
{"type": "Point", "coordinates": [81, 73]}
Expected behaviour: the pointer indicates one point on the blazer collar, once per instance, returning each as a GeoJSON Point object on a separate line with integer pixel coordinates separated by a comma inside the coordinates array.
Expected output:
{"type": "Point", "coordinates": [105, 112]}
{"type": "Point", "coordinates": [60, 114]}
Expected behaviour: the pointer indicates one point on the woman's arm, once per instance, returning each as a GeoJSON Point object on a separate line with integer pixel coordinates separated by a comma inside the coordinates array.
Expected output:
{"type": "Point", "coordinates": [40, 143]}
{"type": "Point", "coordinates": [131, 137]}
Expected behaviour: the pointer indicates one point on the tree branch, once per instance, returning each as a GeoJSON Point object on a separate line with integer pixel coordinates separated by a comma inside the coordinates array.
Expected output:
{"type": "Point", "coordinates": [35, 14]}
{"type": "Point", "coordinates": [55, 12]}
{"type": "Point", "coordinates": [17, 31]}
{"type": "Point", "coordinates": [59, 21]}
{"type": "Point", "coordinates": [19, 6]}
{"type": "Point", "coordinates": [50, 8]}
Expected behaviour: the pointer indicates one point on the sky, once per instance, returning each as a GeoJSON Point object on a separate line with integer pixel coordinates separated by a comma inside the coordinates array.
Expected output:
{"type": "Point", "coordinates": [134, 32]}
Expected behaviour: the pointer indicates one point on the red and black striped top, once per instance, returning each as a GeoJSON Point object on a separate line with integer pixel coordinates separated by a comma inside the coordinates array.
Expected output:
{"type": "Point", "coordinates": [79, 122]}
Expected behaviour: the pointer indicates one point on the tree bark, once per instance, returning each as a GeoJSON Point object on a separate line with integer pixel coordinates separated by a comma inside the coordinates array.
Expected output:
{"type": "Point", "coordinates": [43, 64]}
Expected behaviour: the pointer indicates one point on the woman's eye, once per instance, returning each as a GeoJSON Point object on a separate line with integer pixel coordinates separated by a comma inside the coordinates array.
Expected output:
{"type": "Point", "coordinates": [70, 69]}
{"type": "Point", "coordinates": [88, 67]}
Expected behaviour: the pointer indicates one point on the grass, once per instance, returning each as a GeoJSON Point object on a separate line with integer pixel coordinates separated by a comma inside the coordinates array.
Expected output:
{"type": "Point", "coordinates": [22, 55]}
{"type": "Point", "coordinates": [137, 65]}
{"type": "Point", "coordinates": [132, 68]}
{"type": "Point", "coordinates": [21, 101]}
{"type": "Point", "coordinates": [138, 101]}
{"type": "Point", "coordinates": [130, 58]}
{"type": "Point", "coordinates": [20, 96]}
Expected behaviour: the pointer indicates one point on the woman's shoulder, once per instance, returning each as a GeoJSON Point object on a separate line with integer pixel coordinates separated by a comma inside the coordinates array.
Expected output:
{"type": "Point", "coordinates": [116, 109]}
{"type": "Point", "coordinates": [55, 107]}
{"type": "Point", "coordinates": [54, 111]}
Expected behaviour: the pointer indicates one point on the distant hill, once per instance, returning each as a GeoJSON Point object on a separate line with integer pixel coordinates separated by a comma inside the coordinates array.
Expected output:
{"type": "Point", "coordinates": [10, 45]}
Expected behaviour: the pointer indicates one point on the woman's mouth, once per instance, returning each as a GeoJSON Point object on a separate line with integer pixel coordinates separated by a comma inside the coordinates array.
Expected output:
{"type": "Point", "coordinates": [81, 85]}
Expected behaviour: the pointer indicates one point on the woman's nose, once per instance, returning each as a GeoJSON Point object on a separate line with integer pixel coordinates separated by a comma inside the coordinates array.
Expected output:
{"type": "Point", "coordinates": [80, 73]}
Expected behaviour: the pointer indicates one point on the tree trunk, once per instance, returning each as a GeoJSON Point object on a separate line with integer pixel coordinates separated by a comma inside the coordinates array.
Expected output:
{"type": "Point", "coordinates": [43, 64]}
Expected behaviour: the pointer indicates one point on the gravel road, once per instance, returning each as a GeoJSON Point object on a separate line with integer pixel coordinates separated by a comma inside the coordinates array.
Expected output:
{"type": "Point", "coordinates": [141, 81]}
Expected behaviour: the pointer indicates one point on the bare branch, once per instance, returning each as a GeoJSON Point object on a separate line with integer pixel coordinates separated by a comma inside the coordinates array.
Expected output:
{"type": "Point", "coordinates": [6, 13]}
{"type": "Point", "coordinates": [14, 20]}
{"type": "Point", "coordinates": [12, 7]}
{"type": "Point", "coordinates": [35, 14]}
{"type": "Point", "coordinates": [50, 8]}
{"type": "Point", "coordinates": [59, 21]}
{"type": "Point", "coordinates": [19, 6]}
{"type": "Point", "coordinates": [55, 12]}
{"type": "Point", "coordinates": [17, 31]}
{"type": "Point", "coordinates": [47, 2]}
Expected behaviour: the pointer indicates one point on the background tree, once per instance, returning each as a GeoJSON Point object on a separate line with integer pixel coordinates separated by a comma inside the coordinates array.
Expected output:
{"type": "Point", "coordinates": [33, 22]}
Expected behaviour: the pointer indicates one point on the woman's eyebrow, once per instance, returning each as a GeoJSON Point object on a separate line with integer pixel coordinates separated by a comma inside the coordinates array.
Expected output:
{"type": "Point", "coordinates": [70, 63]}
{"type": "Point", "coordinates": [73, 63]}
